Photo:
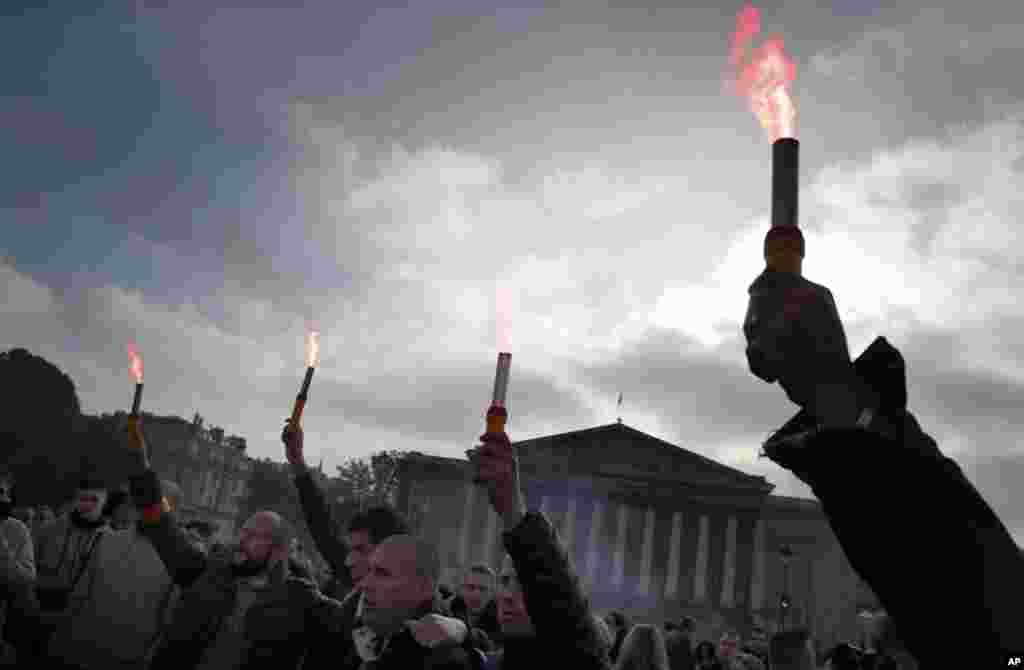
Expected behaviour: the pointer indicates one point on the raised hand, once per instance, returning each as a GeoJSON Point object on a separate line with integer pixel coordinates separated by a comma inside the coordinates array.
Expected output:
{"type": "Point", "coordinates": [292, 438]}
{"type": "Point", "coordinates": [136, 440]}
{"type": "Point", "coordinates": [497, 469]}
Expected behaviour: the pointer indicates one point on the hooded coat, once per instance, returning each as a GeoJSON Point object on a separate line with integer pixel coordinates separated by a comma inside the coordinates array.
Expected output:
{"type": "Point", "coordinates": [912, 525]}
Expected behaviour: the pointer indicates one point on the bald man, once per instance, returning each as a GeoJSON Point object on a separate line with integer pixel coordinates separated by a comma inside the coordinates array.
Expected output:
{"type": "Point", "coordinates": [242, 610]}
{"type": "Point", "coordinates": [400, 589]}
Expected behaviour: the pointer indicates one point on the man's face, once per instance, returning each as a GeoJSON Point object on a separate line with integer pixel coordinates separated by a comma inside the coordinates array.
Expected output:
{"type": "Point", "coordinates": [512, 614]}
{"type": "Point", "coordinates": [256, 546]}
{"type": "Point", "coordinates": [360, 548]}
{"type": "Point", "coordinates": [476, 591]}
{"type": "Point", "coordinates": [89, 503]}
{"type": "Point", "coordinates": [6, 487]}
{"type": "Point", "coordinates": [392, 590]}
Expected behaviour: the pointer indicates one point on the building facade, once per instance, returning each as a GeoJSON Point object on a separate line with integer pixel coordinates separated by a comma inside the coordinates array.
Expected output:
{"type": "Point", "coordinates": [653, 529]}
{"type": "Point", "coordinates": [211, 469]}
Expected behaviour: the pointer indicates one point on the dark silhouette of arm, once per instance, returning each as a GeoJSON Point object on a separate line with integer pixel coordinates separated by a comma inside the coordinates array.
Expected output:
{"type": "Point", "coordinates": [318, 519]}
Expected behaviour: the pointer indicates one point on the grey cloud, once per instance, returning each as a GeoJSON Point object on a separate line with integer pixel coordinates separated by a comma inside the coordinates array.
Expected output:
{"type": "Point", "coordinates": [449, 403]}
{"type": "Point", "coordinates": [930, 198]}
{"type": "Point", "coordinates": [707, 396]}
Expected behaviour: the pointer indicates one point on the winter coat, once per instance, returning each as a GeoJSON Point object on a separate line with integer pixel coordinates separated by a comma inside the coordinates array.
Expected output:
{"type": "Point", "coordinates": [278, 629]}
{"type": "Point", "coordinates": [485, 629]}
{"type": "Point", "coordinates": [63, 550]}
{"type": "Point", "coordinates": [403, 652]}
{"type": "Point", "coordinates": [118, 608]}
{"type": "Point", "coordinates": [566, 636]}
{"type": "Point", "coordinates": [888, 485]}
{"type": "Point", "coordinates": [680, 652]}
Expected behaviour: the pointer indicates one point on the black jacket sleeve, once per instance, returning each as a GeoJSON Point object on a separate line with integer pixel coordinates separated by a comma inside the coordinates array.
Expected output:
{"type": "Point", "coordinates": [554, 598]}
{"type": "Point", "coordinates": [918, 532]}
{"type": "Point", "coordinates": [184, 561]}
{"type": "Point", "coordinates": [318, 520]}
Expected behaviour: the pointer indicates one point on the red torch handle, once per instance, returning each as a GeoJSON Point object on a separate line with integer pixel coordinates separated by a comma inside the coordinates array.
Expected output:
{"type": "Point", "coordinates": [300, 404]}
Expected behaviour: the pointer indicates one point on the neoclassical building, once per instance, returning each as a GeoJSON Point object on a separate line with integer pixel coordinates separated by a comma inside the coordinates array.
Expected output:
{"type": "Point", "coordinates": [653, 529]}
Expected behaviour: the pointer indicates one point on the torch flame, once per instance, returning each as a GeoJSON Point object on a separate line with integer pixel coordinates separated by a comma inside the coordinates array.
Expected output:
{"type": "Point", "coordinates": [136, 367]}
{"type": "Point", "coordinates": [503, 317]}
{"type": "Point", "coordinates": [312, 349]}
{"type": "Point", "coordinates": [763, 76]}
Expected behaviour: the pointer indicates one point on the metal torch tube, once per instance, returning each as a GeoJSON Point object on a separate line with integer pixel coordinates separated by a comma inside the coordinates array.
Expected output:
{"type": "Point", "coordinates": [300, 400]}
{"type": "Point", "coordinates": [501, 379]}
{"type": "Point", "coordinates": [785, 177]}
{"type": "Point", "coordinates": [784, 243]}
{"type": "Point", "coordinates": [137, 401]}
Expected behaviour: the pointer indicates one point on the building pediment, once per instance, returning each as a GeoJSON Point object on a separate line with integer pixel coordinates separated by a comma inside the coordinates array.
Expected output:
{"type": "Point", "coordinates": [620, 452]}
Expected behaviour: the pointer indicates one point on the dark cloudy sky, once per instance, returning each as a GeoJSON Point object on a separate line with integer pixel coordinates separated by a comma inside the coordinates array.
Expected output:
{"type": "Point", "coordinates": [205, 179]}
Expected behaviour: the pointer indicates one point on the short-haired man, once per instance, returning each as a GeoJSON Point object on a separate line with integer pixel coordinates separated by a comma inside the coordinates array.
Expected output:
{"type": "Point", "coordinates": [400, 590]}
{"type": "Point", "coordinates": [350, 560]}
{"type": "Point", "coordinates": [792, 650]}
{"type": "Point", "coordinates": [476, 606]}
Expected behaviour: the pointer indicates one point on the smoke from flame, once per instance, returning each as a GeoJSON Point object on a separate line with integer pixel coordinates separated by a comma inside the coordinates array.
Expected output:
{"type": "Point", "coordinates": [763, 75]}
{"type": "Point", "coordinates": [312, 349]}
{"type": "Point", "coordinates": [136, 366]}
{"type": "Point", "coordinates": [503, 318]}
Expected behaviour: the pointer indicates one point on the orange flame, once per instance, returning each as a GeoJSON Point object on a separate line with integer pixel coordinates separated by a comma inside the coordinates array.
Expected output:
{"type": "Point", "coordinates": [136, 367]}
{"type": "Point", "coordinates": [312, 349]}
{"type": "Point", "coordinates": [763, 75]}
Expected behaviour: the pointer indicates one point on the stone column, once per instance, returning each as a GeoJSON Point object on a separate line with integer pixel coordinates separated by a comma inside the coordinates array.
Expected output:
{"type": "Point", "coordinates": [757, 579]}
{"type": "Point", "coordinates": [467, 525]}
{"type": "Point", "coordinates": [729, 568]}
{"type": "Point", "coordinates": [700, 576]}
{"type": "Point", "coordinates": [644, 587]}
{"type": "Point", "coordinates": [619, 565]}
{"type": "Point", "coordinates": [594, 548]}
{"type": "Point", "coordinates": [675, 547]}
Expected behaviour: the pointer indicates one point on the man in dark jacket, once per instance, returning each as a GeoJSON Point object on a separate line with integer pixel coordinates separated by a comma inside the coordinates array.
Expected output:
{"type": "Point", "coordinates": [350, 561]}
{"type": "Point", "coordinates": [476, 606]}
{"type": "Point", "coordinates": [854, 435]}
{"type": "Point", "coordinates": [400, 590]}
{"type": "Point", "coordinates": [679, 645]}
{"type": "Point", "coordinates": [246, 612]}
{"type": "Point", "coordinates": [545, 618]}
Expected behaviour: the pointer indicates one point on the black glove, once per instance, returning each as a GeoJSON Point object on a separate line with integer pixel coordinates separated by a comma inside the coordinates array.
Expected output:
{"type": "Point", "coordinates": [145, 489]}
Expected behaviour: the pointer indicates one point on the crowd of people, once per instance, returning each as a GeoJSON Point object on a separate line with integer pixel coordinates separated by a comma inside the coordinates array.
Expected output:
{"type": "Point", "coordinates": [117, 581]}
{"type": "Point", "coordinates": [114, 580]}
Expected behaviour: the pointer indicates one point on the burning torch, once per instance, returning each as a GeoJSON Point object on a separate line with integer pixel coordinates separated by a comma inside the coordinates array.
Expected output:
{"type": "Point", "coordinates": [136, 371]}
{"type": "Point", "coordinates": [312, 354]}
{"type": "Point", "coordinates": [763, 79]}
{"type": "Point", "coordinates": [497, 414]}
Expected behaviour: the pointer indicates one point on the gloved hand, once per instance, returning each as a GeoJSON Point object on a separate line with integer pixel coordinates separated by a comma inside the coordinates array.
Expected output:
{"type": "Point", "coordinates": [794, 336]}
